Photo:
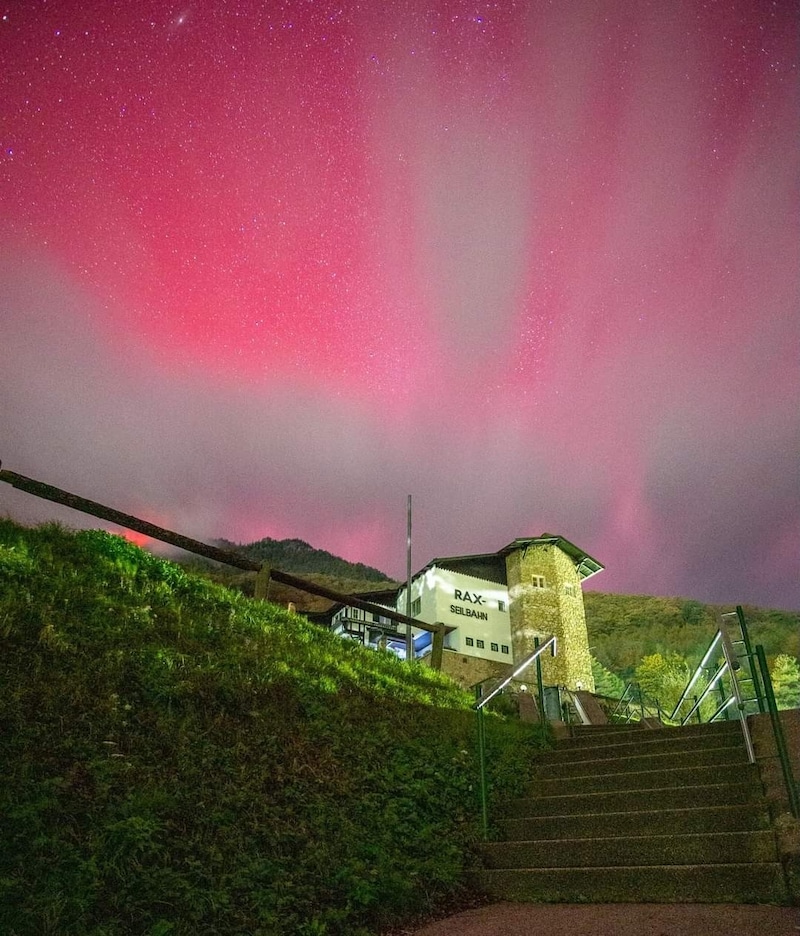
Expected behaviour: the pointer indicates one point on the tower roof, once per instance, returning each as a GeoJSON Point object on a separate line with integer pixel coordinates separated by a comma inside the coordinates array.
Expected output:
{"type": "Point", "coordinates": [585, 564]}
{"type": "Point", "coordinates": [492, 566]}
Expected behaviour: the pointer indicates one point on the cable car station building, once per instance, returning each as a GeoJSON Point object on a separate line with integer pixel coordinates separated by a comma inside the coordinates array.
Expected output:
{"type": "Point", "coordinates": [494, 606]}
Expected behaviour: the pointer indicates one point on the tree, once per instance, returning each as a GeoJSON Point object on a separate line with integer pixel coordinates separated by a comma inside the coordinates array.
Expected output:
{"type": "Point", "coordinates": [692, 612]}
{"type": "Point", "coordinates": [663, 677]}
{"type": "Point", "coordinates": [785, 675]}
{"type": "Point", "coordinates": [606, 683]}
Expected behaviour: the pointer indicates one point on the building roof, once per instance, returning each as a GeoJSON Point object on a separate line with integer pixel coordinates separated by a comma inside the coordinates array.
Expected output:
{"type": "Point", "coordinates": [492, 566]}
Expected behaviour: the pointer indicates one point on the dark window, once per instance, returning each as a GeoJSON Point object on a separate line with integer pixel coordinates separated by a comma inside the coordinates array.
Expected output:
{"type": "Point", "coordinates": [469, 641]}
{"type": "Point", "coordinates": [495, 647]}
{"type": "Point", "coordinates": [480, 644]}
{"type": "Point", "coordinates": [501, 605]}
{"type": "Point", "coordinates": [416, 606]}
{"type": "Point", "coordinates": [504, 649]}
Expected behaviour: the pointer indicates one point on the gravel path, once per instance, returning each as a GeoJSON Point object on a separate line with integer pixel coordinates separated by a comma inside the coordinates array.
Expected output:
{"type": "Point", "coordinates": [513, 919]}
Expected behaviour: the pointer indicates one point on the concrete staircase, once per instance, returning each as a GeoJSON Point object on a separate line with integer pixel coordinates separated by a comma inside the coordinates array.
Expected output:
{"type": "Point", "coordinates": [625, 814]}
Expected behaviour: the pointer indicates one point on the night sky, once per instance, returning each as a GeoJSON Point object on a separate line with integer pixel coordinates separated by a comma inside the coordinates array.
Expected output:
{"type": "Point", "coordinates": [266, 268]}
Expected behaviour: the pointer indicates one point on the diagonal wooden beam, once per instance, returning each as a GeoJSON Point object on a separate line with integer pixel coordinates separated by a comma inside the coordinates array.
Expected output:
{"type": "Point", "coordinates": [225, 556]}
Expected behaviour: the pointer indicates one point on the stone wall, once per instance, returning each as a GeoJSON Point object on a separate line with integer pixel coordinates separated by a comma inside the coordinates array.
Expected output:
{"type": "Point", "coordinates": [557, 608]}
{"type": "Point", "coordinates": [767, 754]}
{"type": "Point", "coordinates": [787, 828]}
{"type": "Point", "coordinates": [469, 670]}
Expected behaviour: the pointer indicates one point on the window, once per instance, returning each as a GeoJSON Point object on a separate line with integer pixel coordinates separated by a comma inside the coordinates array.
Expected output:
{"type": "Point", "coordinates": [569, 589]}
{"type": "Point", "coordinates": [494, 647]}
{"type": "Point", "coordinates": [416, 606]}
{"type": "Point", "coordinates": [480, 644]}
{"type": "Point", "coordinates": [469, 641]}
{"type": "Point", "coordinates": [504, 648]}
{"type": "Point", "coordinates": [537, 581]}
{"type": "Point", "coordinates": [501, 605]}
{"type": "Point", "coordinates": [355, 614]}
{"type": "Point", "coordinates": [376, 618]}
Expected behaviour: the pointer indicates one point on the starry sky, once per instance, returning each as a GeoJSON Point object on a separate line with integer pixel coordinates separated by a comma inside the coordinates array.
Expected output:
{"type": "Point", "coordinates": [268, 267]}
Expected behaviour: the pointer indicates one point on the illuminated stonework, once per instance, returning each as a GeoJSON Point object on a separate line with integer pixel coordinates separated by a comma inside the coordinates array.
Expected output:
{"type": "Point", "coordinates": [545, 597]}
{"type": "Point", "coordinates": [493, 606]}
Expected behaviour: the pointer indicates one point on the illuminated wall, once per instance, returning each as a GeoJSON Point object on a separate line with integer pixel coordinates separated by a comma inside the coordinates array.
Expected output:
{"type": "Point", "coordinates": [494, 624]}
{"type": "Point", "coordinates": [477, 608]}
{"type": "Point", "coordinates": [546, 598]}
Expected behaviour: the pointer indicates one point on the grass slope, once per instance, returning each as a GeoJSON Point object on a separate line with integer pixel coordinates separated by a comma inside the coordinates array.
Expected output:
{"type": "Point", "coordinates": [178, 759]}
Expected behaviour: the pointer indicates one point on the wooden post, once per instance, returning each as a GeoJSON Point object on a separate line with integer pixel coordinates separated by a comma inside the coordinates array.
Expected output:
{"type": "Point", "coordinates": [438, 646]}
{"type": "Point", "coordinates": [262, 582]}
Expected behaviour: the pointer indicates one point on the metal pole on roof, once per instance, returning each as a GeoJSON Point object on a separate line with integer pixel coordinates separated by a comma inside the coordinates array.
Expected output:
{"type": "Point", "coordinates": [409, 634]}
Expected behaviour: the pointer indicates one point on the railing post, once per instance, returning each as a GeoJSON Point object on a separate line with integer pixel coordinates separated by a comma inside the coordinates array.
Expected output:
{"type": "Point", "coordinates": [722, 697]}
{"type": "Point", "coordinates": [539, 683]}
{"type": "Point", "coordinates": [731, 664]}
{"type": "Point", "coordinates": [750, 657]}
{"type": "Point", "coordinates": [777, 730]}
{"type": "Point", "coordinates": [482, 763]}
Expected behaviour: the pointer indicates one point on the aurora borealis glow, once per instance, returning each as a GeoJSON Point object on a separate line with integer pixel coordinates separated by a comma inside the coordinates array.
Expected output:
{"type": "Point", "coordinates": [266, 268]}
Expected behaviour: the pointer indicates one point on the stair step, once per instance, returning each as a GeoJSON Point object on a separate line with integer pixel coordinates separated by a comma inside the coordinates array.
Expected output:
{"type": "Point", "coordinates": [565, 753]}
{"type": "Point", "coordinates": [638, 761]}
{"type": "Point", "coordinates": [639, 814]}
{"type": "Point", "coordinates": [640, 780]}
{"type": "Point", "coordinates": [645, 822]}
{"type": "Point", "coordinates": [715, 883]}
{"type": "Point", "coordinates": [671, 849]}
{"type": "Point", "coordinates": [635, 800]}
{"type": "Point", "coordinates": [609, 734]}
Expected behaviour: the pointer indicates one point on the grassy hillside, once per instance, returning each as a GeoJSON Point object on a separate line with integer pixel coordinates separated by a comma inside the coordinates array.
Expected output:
{"type": "Point", "coordinates": [178, 759]}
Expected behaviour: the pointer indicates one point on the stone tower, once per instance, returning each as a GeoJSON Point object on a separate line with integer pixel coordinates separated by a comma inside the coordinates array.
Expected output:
{"type": "Point", "coordinates": [545, 597]}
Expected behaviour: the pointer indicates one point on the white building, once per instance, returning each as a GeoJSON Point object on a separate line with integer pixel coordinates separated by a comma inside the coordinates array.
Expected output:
{"type": "Point", "coordinates": [494, 606]}
{"type": "Point", "coordinates": [476, 609]}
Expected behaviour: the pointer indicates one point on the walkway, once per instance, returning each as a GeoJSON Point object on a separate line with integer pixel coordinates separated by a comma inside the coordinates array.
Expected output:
{"type": "Point", "coordinates": [513, 919]}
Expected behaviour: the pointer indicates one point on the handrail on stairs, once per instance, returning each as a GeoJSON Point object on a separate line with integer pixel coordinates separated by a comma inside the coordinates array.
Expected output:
{"type": "Point", "coordinates": [792, 789]}
{"type": "Point", "coordinates": [633, 699]}
{"type": "Point", "coordinates": [515, 670]}
{"type": "Point", "coordinates": [731, 696]}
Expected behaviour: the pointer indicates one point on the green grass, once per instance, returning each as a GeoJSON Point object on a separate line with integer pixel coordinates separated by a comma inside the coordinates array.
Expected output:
{"type": "Point", "coordinates": [178, 759]}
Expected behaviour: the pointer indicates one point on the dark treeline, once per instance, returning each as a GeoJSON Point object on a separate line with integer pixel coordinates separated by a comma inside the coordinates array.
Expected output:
{"type": "Point", "coordinates": [295, 555]}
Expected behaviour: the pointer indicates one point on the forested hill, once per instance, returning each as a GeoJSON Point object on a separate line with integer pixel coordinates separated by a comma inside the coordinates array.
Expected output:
{"type": "Point", "coordinates": [295, 555]}
{"type": "Point", "coordinates": [625, 628]}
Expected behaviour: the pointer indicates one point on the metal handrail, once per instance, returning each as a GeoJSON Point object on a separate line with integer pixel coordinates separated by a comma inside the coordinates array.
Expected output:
{"type": "Point", "coordinates": [698, 700]}
{"type": "Point", "coordinates": [748, 740]}
{"type": "Point", "coordinates": [777, 730]}
{"type": "Point", "coordinates": [696, 674]}
{"type": "Point", "coordinates": [633, 698]}
{"type": "Point", "coordinates": [480, 715]}
{"type": "Point", "coordinates": [626, 692]}
{"type": "Point", "coordinates": [550, 642]}
{"type": "Point", "coordinates": [729, 665]}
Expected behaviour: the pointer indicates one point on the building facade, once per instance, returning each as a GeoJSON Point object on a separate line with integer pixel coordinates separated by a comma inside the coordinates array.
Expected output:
{"type": "Point", "coordinates": [495, 606]}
